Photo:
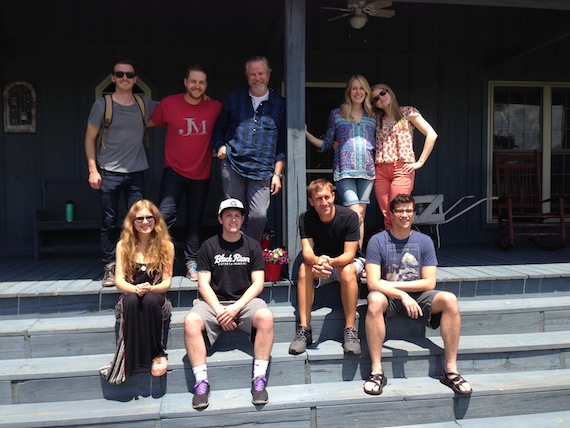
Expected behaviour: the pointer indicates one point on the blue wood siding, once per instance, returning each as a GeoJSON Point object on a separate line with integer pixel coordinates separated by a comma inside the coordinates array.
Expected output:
{"type": "Point", "coordinates": [438, 58]}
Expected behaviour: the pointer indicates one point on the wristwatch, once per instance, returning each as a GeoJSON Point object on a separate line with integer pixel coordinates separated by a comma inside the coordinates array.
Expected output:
{"type": "Point", "coordinates": [278, 174]}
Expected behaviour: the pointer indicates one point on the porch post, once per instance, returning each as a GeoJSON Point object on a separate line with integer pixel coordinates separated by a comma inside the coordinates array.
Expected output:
{"type": "Point", "coordinates": [295, 162]}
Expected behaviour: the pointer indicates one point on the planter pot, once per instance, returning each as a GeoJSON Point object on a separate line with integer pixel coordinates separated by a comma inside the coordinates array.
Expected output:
{"type": "Point", "coordinates": [273, 272]}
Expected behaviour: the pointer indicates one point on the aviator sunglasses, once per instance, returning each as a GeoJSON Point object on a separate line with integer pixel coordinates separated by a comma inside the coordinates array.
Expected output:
{"type": "Point", "coordinates": [381, 94]}
{"type": "Point", "coordinates": [142, 218]}
{"type": "Point", "coordinates": [119, 74]}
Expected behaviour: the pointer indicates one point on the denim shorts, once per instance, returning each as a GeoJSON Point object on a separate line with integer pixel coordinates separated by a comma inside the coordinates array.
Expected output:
{"type": "Point", "coordinates": [354, 190]}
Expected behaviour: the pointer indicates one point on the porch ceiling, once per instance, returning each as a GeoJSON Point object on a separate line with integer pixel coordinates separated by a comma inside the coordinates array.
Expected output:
{"type": "Point", "coordinates": [532, 4]}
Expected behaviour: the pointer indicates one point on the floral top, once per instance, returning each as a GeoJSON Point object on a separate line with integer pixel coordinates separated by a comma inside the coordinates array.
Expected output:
{"type": "Point", "coordinates": [355, 155]}
{"type": "Point", "coordinates": [394, 142]}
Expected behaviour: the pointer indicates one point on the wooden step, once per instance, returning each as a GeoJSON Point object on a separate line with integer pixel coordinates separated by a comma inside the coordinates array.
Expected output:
{"type": "Point", "coordinates": [404, 401]}
{"type": "Point", "coordinates": [77, 377]}
{"type": "Point", "coordinates": [542, 420]}
{"type": "Point", "coordinates": [55, 286]}
{"type": "Point", "coordinates": [75, 335]}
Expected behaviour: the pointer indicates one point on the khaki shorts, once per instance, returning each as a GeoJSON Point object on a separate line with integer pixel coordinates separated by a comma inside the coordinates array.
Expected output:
{"type": "Point", "coordinates": [244, 319]}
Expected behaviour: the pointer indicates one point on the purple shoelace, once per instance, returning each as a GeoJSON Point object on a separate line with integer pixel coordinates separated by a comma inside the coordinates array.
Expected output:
{"type": "Point", "coordinates": [201, 387]}
{"type": "Point", "coordinates": [259, 383]}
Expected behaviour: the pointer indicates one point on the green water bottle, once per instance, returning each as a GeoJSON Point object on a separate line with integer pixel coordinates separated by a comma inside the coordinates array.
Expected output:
{"type": "Point", "coordinates": [69, 211]}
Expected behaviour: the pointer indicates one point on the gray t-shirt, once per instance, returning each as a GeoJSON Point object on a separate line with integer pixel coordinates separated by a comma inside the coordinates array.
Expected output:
{"type": "Point", "coordinates": [123, 149]}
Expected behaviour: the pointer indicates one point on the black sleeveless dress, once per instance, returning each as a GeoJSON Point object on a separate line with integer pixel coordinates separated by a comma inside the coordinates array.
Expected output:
{"type": "Point", "coordinates": [142, 324]}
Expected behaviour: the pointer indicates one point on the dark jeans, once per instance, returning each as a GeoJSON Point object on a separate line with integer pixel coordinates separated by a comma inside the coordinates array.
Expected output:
{"type": "Point", "coordinates": [112, 184]}
{"type": "Point", "coordinates": [172, 187]}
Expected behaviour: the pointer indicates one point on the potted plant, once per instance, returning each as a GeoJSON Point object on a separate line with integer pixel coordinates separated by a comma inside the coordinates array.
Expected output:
{"type": "Point", "coordinates": [274, 261]}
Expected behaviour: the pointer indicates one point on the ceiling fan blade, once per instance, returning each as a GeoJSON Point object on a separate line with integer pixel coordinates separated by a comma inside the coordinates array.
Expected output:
{"type": "Point", "coordinates": [379, 4]}
{"type": "Point", "coordinates": [340, 16]}
{"type": "Point", "coordinates": [336, 8]}
{"type": "Point", "coordinates": [383, 13]}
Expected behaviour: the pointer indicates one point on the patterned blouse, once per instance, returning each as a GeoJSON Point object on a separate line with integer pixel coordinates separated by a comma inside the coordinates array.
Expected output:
{"type": "Point", "coordinates": [355, 155]}
{"type": "Point", "coordinates": [395, 142]}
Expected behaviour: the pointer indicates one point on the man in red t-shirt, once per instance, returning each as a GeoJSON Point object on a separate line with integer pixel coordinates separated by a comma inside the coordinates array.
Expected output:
{"type": "Point", "coordinates": [189, 120]}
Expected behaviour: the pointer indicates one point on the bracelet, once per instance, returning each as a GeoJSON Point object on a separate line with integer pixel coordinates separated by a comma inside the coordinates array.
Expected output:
{"type": "Point", "coordinates": [278, 174]}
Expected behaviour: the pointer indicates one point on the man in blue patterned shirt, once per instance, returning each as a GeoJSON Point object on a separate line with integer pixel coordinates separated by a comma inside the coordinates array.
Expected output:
{"type": "Point", "coordinates": [250, 139]}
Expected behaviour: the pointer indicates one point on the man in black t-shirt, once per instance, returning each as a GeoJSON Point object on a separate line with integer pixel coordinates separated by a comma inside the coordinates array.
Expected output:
{"type": "Point", "coordinates": [329, 241]}
{"type": "Point", "coordinates": [230, 277]}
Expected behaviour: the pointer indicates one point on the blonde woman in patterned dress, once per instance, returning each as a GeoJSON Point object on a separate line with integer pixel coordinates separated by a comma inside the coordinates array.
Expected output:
{"type": "Point", "coordinates": [351, 132]}
{"type": "Point", "coordinates": [395, 159]}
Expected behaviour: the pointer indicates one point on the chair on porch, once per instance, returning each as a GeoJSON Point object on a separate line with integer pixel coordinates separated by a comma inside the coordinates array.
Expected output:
{"type": "Point", "coordinates": [431, 213]}
{"type": "Point", "coordinates": [521, 211]}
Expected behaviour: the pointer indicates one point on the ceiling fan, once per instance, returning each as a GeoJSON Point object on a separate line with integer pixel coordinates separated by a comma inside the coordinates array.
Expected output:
{"type": "Point", "coordinates": [359, 11]}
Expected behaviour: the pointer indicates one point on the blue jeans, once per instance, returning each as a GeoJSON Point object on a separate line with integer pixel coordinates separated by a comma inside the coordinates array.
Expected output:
{"type": "Point", "coordinates": [172, 187]}
{"type": "Point", "coordinates": [255, 195]}
{"type": "Point", "coordinates": [112, 184]}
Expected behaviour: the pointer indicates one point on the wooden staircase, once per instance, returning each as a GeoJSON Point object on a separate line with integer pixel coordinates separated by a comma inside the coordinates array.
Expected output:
{"type": "Point", "coordinates": [514, 350]}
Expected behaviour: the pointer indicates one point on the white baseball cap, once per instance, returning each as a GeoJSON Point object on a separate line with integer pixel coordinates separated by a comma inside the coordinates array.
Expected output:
{"type": "Point", "coordinates": [231, 203]}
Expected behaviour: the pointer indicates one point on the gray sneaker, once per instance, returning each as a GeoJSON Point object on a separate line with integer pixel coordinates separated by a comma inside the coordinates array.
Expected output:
{"type": "Point", "coordinates": [201, 395]}
{"type": "Point", "coordinates": [192, 270]}
{"type": "Point", "coordinates": [109, 275]}
{"type": "Point", "coordinates": [258, 391]}
{"type": "Point", "coordinates": [351, 343]}
{"type": "Point", "coordinates": [303, 338]}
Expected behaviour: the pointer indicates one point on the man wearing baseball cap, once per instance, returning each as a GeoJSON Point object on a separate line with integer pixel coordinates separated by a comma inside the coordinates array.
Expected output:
{"type": "Point", "coordinates": [230, 277]}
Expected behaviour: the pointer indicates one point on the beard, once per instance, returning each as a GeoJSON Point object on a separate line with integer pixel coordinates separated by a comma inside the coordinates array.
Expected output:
{"type": "Point", "coordinates": [258, 89]}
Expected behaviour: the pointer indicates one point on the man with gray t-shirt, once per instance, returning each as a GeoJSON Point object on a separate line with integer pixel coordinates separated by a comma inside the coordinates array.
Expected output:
{"type": "Point", "coordinates": [118, 164]}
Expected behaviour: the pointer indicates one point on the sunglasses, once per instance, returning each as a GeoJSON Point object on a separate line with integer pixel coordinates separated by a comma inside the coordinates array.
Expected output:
{"type": "Point", "coordinates": [119, 74]}
{"type": "Point", "coordinates": [142, 218]}
{"type": "Point", "coordinates": [381, 94]}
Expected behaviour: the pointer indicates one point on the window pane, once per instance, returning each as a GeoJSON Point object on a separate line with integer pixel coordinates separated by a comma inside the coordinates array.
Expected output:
{"type": "Point", "coordinates": [560, 118]}
{"type": "Point", "coordinates": [517, 118]}
{"type": "Point", "coordinates": [560, 175]}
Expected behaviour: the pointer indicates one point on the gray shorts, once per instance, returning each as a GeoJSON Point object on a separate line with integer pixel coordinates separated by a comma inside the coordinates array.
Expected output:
{"type": "Point", "coordinates": [358, 262]}
{"type": "Point", "coordinates": [244, 319]}
{"type": "Point", "coordinates": [424, 299]}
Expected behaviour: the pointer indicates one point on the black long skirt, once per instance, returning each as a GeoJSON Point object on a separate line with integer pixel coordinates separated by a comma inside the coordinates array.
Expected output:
{"type": "Point", "coordinates": [142, 329]}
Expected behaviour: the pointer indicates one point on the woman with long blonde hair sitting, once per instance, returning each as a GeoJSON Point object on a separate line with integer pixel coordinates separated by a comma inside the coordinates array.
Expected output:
{"type": "Point", "coordinates": [143, 272]}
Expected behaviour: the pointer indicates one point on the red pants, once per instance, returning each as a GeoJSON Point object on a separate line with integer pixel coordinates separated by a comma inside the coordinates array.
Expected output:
{"type": "Point", "coordinates": [391, 180]}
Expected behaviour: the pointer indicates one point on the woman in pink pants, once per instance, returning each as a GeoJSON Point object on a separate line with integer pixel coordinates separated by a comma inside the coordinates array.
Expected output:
{"type": "Point", "coordinates": [395, 159]}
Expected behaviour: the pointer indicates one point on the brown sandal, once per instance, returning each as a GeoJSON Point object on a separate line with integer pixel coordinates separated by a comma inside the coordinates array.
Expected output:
{"type": "Point", "coordinates": [455, 382]}
{"type": "Point", "coordinates": [378, 381]}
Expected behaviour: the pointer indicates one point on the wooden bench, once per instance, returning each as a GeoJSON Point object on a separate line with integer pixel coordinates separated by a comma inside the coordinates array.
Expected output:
{"type": "Point", "coordinates": [52, 233]}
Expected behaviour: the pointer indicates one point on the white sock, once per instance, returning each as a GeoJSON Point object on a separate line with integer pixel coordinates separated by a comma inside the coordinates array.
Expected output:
{"type": "Point", "coordinates": [200, 373]}
{"type": "Point", "coordinates": [260, 368]}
